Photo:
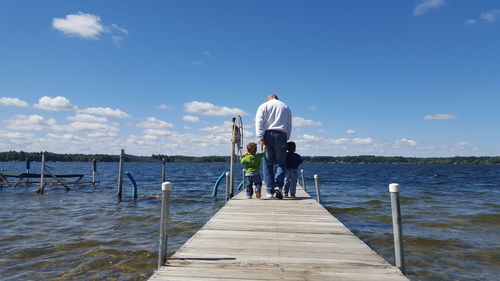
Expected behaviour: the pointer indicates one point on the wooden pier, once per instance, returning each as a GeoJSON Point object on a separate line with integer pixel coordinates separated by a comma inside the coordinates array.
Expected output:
{"type": "Point", "coordinates": [270, 239]}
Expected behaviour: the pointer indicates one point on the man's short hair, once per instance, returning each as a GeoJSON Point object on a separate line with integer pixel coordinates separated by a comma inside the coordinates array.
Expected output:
{"type": "Point", "coordinates": [290, 146]}
{"type": "Point", "coordinates": [272, 96]}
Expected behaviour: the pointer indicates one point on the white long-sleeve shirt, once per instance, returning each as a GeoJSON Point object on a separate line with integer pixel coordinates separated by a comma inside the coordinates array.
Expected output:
{"type": "Point", "coordinates": [273, 115]}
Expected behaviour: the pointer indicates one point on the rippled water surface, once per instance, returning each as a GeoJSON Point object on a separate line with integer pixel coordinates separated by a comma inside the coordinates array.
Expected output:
{"type": "Point", "coordinates": [451, 218]}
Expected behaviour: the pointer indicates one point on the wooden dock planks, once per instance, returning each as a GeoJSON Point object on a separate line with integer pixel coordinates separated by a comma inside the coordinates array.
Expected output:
{"type": "Point", "coordinates": [270, 239]}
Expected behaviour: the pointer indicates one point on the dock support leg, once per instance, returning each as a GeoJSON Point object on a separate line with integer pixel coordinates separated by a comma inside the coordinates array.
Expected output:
{"type": "Point", "coordinates": [396, 223]}
{"type": "Point", "coordinates": [318, 194]}
{"type": "Point", "coordinates": [233, 157]}
{"type": "Point", "coordinates": [228, 187]}
{"type": "Point", "coordinates": [303, 180]}
{"type": "Point", "coordinates": [163, 171]}
{"type": "Point", "coordinates": [94, 170]}
{"type": "Point", "coordinates": [42, 171]}
{"type": "Point", "coordinates": [120, 175]}
{"type": "Point", "coordinates": [165, 210]}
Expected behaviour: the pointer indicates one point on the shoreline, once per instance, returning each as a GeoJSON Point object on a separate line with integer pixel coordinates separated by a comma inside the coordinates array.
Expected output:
{"type": "Point", "coordinates": [21, 156]}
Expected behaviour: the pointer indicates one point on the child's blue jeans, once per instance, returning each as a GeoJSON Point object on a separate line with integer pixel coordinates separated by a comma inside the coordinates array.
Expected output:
{"type": "Point", "coordinates": [291, 176]}
{"type": "Point", "coordinates": [250, 181]}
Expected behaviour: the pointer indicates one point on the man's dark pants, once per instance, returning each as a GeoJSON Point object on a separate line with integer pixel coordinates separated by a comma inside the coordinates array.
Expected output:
{"type": "Point", "coordinates": [274, 166]}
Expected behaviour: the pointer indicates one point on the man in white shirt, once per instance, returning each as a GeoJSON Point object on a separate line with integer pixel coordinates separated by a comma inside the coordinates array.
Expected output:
{"type": "Point", "coordinates": [273, 126]}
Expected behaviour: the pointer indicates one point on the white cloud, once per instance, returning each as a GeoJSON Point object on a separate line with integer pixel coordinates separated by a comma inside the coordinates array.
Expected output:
{"type": "Point", "coordinates": [441, 116]}
{"type": "Point", "coordinates": [362, 141]}
{"type": "Point", "coordinates": [187, 127]}
{"type": "Point", "coordinates": [406, 142]}
{"type": "Point", "coordinates": [311, 138]}
{"type": "Point", "coordinates": [66, 137]}
{"type": "Point", "coordinates": [88, 118]}
{"type": "Point", "coordinates": [153, 123]}
{"type": "Point", "coordinates": [105, 111]}
{"type": "Point", "coordinates": [339, 141]}
{"type": "Point", "coordinates": [490, 16]}
{"type": "Point", "coordinates": [191, 118]}
{"type": "Point", "coordinates": [301, 122]}
{"type": "Point", "coordinates": [351, 132]}
{"type": "Point", "coordinates": [157, 132]}
{"type": "Point", "coordinates": [6, 101]}
{"type": "Point", "coordinates": [54, 104]}
{"type": "Point", "coordinates": [426, 6]}
{"type": "Point", "coordinates": [29, 123]}
{"type": "Point", "coordinates": [163, 106]}
{"type": "Point", "coordinates": [312, 108]}
{"type": "Point", "coordinates": [119, 28]}
{"type": "Point", "coordinates": [226, 128]}
{"type": "Point", "coordinates": [322, 131]}
{"type": "Point", "coordinates": [470, 22]}
{"type": "Point", "coordinates": [208, 109]}
{"type": "Point", "coordinates": [97, 129]}
{"type": "Point", "coordinates": [86, 26]}
{"type": "Point", "coordinates": [117, 40]}
{"type": "Point", "coordinates": [16, 137]}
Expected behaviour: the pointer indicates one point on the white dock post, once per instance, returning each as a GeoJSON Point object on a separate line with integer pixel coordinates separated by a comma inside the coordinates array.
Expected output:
{"type": "Point", "coordinates": [303, 180]}
{"type": "Point", "coordinates": [163, 167]}
{"type": "Point", "coordinates": [318, 194]}
{"type": "Point", "coordinates": [94, 169]}
{"type": "Point", "coordinates": [166, 187]}
{"type": "Point", "coordinates": [120, 174]}
{"type": "Point", "coordinates": [396, 224]}
{"type": "Point", "coordinates": [228, 187]}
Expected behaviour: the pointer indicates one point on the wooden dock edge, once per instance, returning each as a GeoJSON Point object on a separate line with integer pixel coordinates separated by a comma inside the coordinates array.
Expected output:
{"type": "Point", "coordinates": [270, 239]}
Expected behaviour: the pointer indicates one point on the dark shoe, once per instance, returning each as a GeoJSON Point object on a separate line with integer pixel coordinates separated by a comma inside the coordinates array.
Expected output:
{"type": "Point", "coordinates": [257, 193]}
{"type": "Point", "coordinates": [293, 195]}
{"type": "Point", "coordinates": [286, 194]}
{"type": "Point", "coordinates": [278, 193]}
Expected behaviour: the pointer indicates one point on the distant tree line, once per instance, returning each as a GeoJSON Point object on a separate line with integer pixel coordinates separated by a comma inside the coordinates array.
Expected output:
{"type": "Point", "coordinates": [362, 159]}
{"type": "Point", "coordinates": [371, 159]}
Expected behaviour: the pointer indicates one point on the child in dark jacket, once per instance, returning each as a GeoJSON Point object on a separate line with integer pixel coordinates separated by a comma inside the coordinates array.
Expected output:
{"type": "Point", "coordinates": [293, 160]}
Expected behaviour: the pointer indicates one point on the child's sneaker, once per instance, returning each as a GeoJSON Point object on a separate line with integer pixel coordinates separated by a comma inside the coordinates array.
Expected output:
{"type": "Point", "coordinates": [286, 194]}
{"type": "Point", "coordinates": [249, 196]}
{"type": "Point", "coordinates": [269, 195]}
{"type": "Point", "coordinates": [278, 193]}
{"type": "Point", "coordinates": [257, 193]}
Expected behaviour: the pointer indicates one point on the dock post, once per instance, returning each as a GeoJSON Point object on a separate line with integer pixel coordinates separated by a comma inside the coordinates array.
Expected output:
{"type": "Point", "coordinates": [396, 225]}
{"type": "Point", "coordinates": [28, 162]}
{"type": "Point", "coordinates": [228, 187]}
{"type": "Point", "coordinates": [303, 180]}
{"type": "Point", "coordinates": [163, 166]}
{"type": "Point", "coordinates": [120, 174]}
{"type": "Point", "coordinates": [42, 171]}
{"type": "Point", "coordinates": [233, 156]}
{"type": "Point", "coordinates": [318, 194]}
{"type": "Point", "coordinates": [94, 169]}
{"type": "Point", "coordinates": [166, 187]}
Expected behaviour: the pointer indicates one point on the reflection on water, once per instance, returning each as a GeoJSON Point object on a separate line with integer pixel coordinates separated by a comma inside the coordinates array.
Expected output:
{"type": "Point", "coordinates": [451, 218]}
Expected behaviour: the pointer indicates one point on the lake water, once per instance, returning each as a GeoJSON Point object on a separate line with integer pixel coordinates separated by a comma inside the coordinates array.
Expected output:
{"type": "Point", "coordinates": [451, 218]}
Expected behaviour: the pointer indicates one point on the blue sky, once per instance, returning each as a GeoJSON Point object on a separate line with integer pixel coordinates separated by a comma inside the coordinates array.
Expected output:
{"type": "Point", "coordinates": [400, 77]}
